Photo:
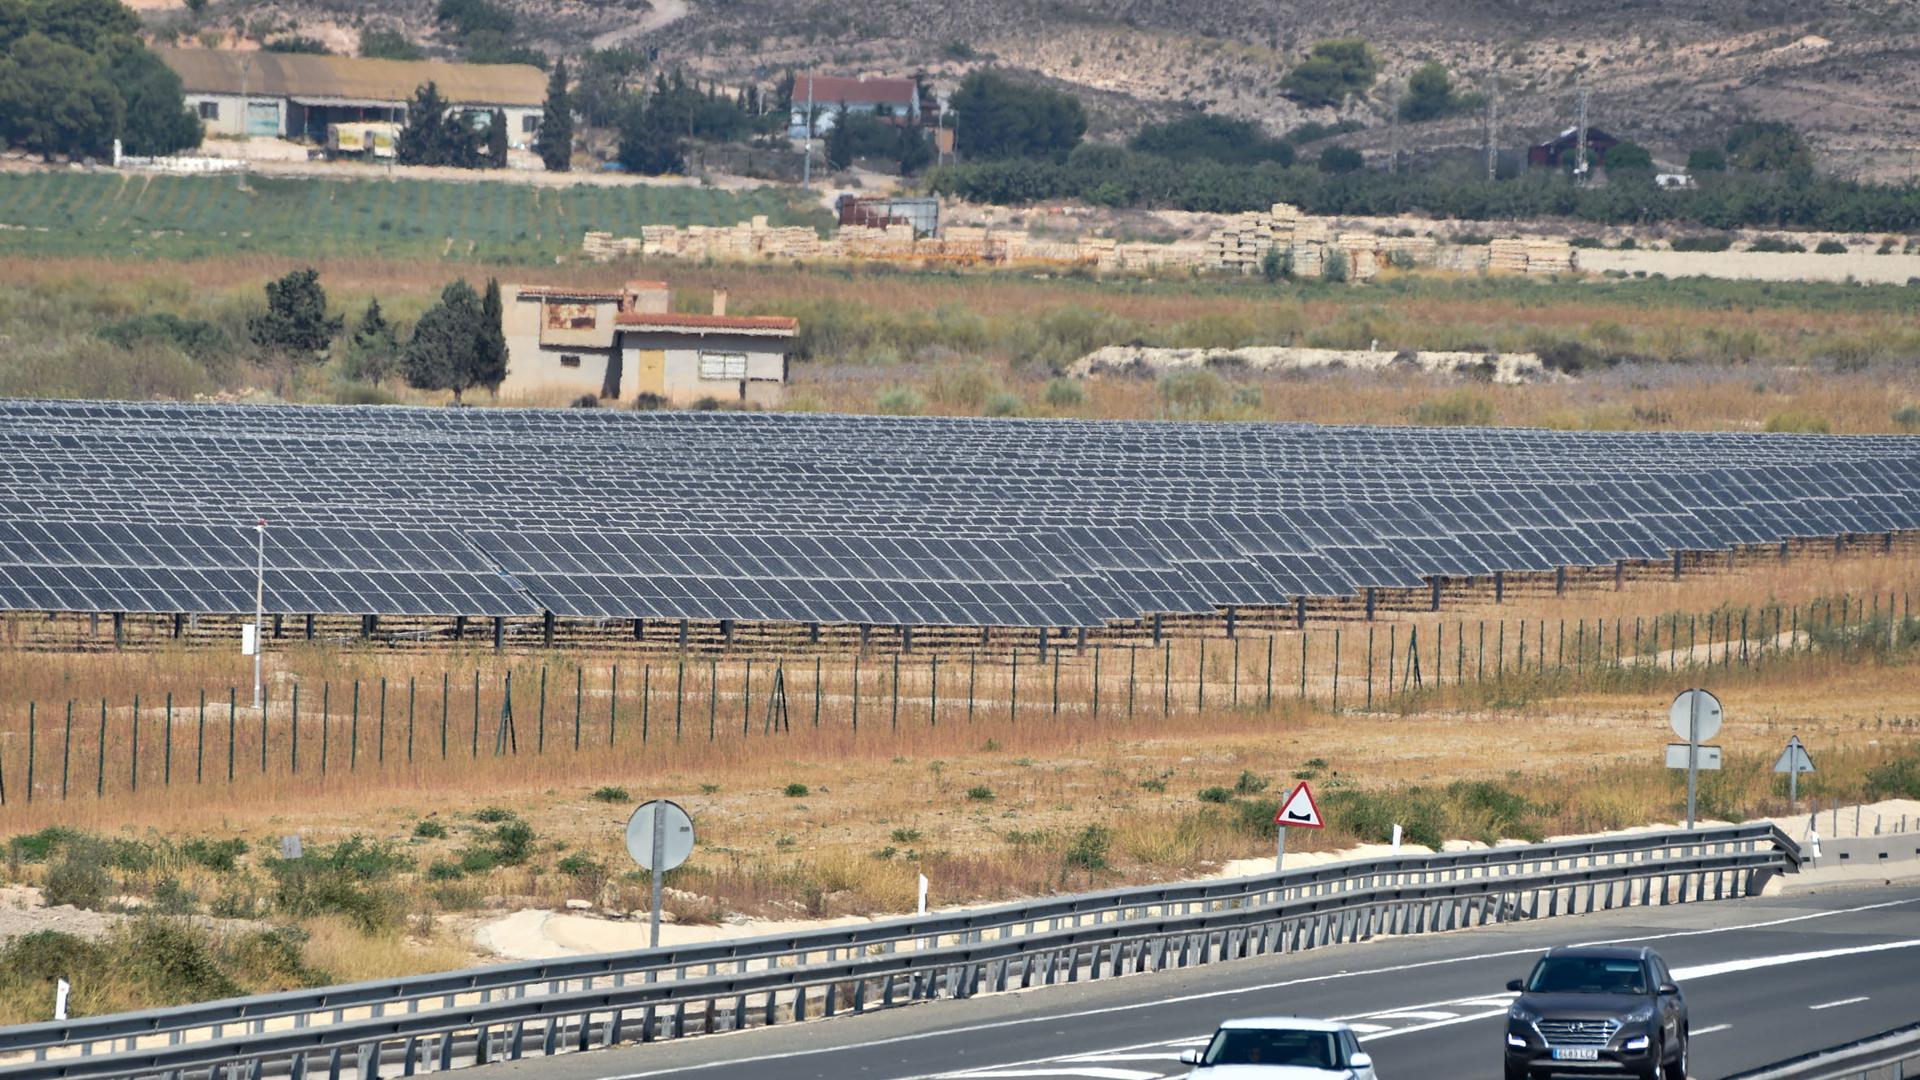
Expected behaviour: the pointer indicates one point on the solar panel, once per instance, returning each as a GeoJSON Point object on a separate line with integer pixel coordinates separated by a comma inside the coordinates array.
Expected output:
{"type": "Point", "coordinates": [108, 506]}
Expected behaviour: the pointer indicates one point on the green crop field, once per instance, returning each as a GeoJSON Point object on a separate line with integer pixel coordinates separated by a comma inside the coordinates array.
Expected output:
{"type": "Point", "coordinates": [54, 213]}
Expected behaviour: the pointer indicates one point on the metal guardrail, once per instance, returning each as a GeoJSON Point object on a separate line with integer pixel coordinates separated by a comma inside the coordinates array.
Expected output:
{"type": "Point", "coordinates": [1890, 1055]}
{"type": "Point", "coordinates": [582, 1002]}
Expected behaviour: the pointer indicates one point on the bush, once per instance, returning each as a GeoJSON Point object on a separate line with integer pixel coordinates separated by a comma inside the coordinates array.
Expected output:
{"type": "Point", "coordinates": [1830, 247]}
{"type": "Point", "coordinates": [429, 830]}
{"type": "Point", "coordinates": [648, 401]}
{"type": "Point", "coordinates": [1004, 404]}
{"type": "Point", "coordinates": [901, 401]}
{"type": "Point", "coordinates": [1277, 264]}
{"type": "Point", "coordinates": [40, 846]}
{"type": "Point", "coordinates": [1215, 794]}
{"type": "Point", "coordinates": [1460, 408]}
{"type": "Point", "coordinates": [1799, 422]}
{"type": "Point", "coordinates": [1192, 393]}
{"type": "Point", "coordinates": [352, 878]}
{"type": "Point", "coordinates": [1089, 850]}
{"type": "Point", "coordinates": [1703, 242]}
{"type": "Point", "coordinates": [1908, 416]}
{"type": "Point", "coordinates": [1065, 393]}
{"type": "Point", "coordinates": [218, 855]}
{"type": "Point", "coordinates": [980, 793]}
{"type": "Point", "coordinates": [199, 339]}
{"type": "Point", "coordinates": [79, 879]}
{"type": "Point", "coordinates": [905, 836]}
{"type": "Point", "coordinates": [1777, 244]}
{"type": "Point", "coordinates": [610, 795]}
{"type": "Point", "coordinates": [1896, 779]}
{"type": "Point", "coordinates": [796, 791]}
{"type": "Point", "coordinates": [1334, 267]}
{"type": "Point", "coordinates": [1249, 784]}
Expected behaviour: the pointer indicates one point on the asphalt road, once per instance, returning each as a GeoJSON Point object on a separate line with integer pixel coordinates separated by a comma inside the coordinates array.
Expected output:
{"type": "Point", "coordinates": [1765, 979]}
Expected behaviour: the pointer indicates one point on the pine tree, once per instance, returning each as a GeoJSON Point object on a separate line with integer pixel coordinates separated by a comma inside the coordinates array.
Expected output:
{"type": "Point", "coordinates": [441, 353]}
{"type": "Point", "coordinates": [497, 139]}
{"type": "Point", "coordinates": [374, 349]}
{"type": "Point", "coordinates": [555, 141]}
{"type": "Point", "coordinates": [433, 135]}
{"type": "Point", "coordinates": [296, 323]}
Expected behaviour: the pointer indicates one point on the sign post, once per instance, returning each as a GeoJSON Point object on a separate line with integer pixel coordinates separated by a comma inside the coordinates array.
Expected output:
{"type": "Point", "coordinates": [1299, 811]}
{"type": "Point", "coordinates": [1694, 716]}
{"type": "Point", "coordinates": [1794, 760]}
{"type": "Point", "coordinates": [259, 606]}
{"type": "Point", "coordinates": [659, 837]}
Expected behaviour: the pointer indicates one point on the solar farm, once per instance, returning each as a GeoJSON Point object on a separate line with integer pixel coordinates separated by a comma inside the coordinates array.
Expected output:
{"type": "Point", "coordinates": [688, 529]}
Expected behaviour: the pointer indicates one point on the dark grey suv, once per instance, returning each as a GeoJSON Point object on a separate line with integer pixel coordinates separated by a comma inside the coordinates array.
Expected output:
{"type": "Point", "coordinates": [1588, 1010]}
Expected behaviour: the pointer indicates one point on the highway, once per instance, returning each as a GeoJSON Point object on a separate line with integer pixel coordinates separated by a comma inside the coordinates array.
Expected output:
{"type": "Point", "coordinates": [1765, 979]}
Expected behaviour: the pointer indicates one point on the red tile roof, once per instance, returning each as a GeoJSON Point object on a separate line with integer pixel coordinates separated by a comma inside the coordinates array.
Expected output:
{"type": "Point", "coordinates": [673, 320]}
{"type": "Point", "coordinates": [834, 90]}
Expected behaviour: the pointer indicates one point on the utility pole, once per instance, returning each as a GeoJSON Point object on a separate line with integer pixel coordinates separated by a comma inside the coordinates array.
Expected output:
{"type": "Point", "coordinates": [1393, 121]}
{"type": "Point", "coordinates": [806, 170]}
{"type": "Point", "coordinates": [1493, 129]}
{"type": "Point", "coordinates": [1580, 169]}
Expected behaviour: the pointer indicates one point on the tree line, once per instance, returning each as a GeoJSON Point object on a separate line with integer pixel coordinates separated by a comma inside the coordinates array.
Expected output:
{"type": "Point", "coordinates": [74, 77]}
{"type": "Point", "coordinates": [457, 345]}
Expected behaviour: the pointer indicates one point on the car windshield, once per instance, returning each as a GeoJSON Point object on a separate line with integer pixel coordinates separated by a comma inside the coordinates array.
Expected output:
{"type": "Point", "coordinates": [1273, 1046]}
{"type": "Point", "coordinates": [1587, 975]}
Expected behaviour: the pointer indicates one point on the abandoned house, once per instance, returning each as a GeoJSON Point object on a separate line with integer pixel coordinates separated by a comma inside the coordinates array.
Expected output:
{"type": "Point", "coordinates": [617, 346]}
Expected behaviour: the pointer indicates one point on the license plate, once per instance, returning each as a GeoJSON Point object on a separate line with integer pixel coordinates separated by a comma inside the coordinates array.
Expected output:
{"type": "Point", "coordinates": [1576, 1053]}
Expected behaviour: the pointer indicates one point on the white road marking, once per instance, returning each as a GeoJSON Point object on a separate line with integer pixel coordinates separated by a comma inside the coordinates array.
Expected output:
{"type": "Point", "coordinates": [1159, 1003]}
{"type": "Point", "coordinates": [1093, 1073]}
{"type": "Point", "coordinates": [1096, 1059]}
{"type": "Point", "coordinates": [1728, 967]}
{"type": "Point", "coordinates": [1368, 1029]}
{"type": "Point", "coordinates": [1436, 1024]}
{"type": "Point", "coordinates": [1709, 1030]}
{"type": "Point", "coordinates": [1418, 1015]}
{"type": "Point", "coordinates": [1837, 1004]}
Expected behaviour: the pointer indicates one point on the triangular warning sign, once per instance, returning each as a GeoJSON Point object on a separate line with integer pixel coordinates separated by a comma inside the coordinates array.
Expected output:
{"type": "Point", "coordinates": [1300, 811]}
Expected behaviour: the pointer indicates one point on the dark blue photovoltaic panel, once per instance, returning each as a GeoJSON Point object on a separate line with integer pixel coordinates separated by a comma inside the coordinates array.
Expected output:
{"type": "Point", "coordinates": [604, 514]}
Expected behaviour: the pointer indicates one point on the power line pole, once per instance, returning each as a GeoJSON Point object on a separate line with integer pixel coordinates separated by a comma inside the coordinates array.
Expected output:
{"type": "Point", "coordinates": [1493, 129]}
{"type": "Point", "coordinates": [1580, 169]}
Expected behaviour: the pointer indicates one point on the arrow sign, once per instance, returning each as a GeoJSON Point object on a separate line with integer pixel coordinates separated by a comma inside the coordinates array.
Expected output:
{"type": "Point", "coordinates": [1300, 811]}
{"type": "Point", "coordinates": [1794, 758]}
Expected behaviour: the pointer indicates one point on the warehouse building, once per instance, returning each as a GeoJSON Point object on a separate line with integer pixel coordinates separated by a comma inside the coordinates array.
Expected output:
{"type": "Point", "coordinates": [617, 346]}
{"type": "Point", "coordinates": [296, 95]}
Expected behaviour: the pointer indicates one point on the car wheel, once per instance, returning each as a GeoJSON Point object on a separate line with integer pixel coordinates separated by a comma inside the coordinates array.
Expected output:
{"type": "Point", "coordinates": [1656, 1068]}
{"type": "Point", "coordinates": [1679, 1069]}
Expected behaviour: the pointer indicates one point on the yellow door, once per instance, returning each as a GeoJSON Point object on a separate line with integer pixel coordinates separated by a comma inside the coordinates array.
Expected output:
{"type": "Point", "coordinates": [652, 376]}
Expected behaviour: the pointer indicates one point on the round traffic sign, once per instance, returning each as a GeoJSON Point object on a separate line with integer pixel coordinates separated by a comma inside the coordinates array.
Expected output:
{"type": "Point", "coordinates": [1681, 715]}
{"type": "Point", "coordinates": [676, 840]}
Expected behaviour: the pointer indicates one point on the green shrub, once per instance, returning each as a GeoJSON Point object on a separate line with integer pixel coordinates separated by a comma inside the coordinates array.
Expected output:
{"type": "Point", "coordinates": [198, 339]}
{"type": "Point", "coordinates": [352, 878]}
{"type": "Point", "coordinates": [1703, 242]}
{"type": "Point", "coordinates": [980, 793]}
{"type": "Point", "coordinates": [901, 401]}
{"type": "Point", "coordinates": [218, 855]}
{"type": "Point", "coordinates": [1372, 815]}
{"type": "Point", "coordinates": [610, 795]}
{"type": "Point", "coordinates": [79, 879]}
{"type": "Point", "coordinates": [429, 830]}
{"type": "Point", "coordinates": [1458, 408]}
{"type": "Point", "coordinates": [905, 836]}
{"type": "Point", "coordinates": [1256, 816]}
{"type": "Point", "coordinates": [1004, 403]}
{"type": "Point", "coordinates": [1908, 416]}
{"type": "Point", "coordinates": [1249, 784]}
{"type": "Point", "coordinates": [796, 791]}
{"type": "Point", "coordinates": [1896, 779]}
{"type": "Point", "coordinates": [1798, 421]}
{"type": "Point", "coordinates": [1334, 267]}
{"type": "Point", "coordinates": [1154, 784]}
{"type": "Point", "coordinates": [1215, 794]}
{"type": "Point", "coordinates": [1777, 244]}
{"type": "Point", "coordinates": [1830, 247]}
{"type": "Point", "coordinates": [39, 846]}
{"type": "Point", "coordinates": [584, 869]}
{"type": "Point", "coordinates": [1192, 393]}
{"type": "Point", "coordinates": [1089, 850]}
{"type": "Point", "coordinates": [1065, 393]}
{"type": "Point", "coordinates": [1277, 264]}
{"type": "Point", "coordinates": [493, 815]}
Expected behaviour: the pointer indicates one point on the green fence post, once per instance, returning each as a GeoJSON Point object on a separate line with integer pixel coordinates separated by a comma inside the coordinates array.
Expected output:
{"type": "Point", "coordinates": [476, 714]}
{"type": "Point", "coordinates": [233, 708]}
{"type": "Point", "coordinates": [66, 748]}
{"type": "Point", "coordinates": [679, 699]}
{"type": "Point", "coordinates": [100, 769]}
{"type": "Point", "coordinates": [33, 744]}
{"type": "Point", "coordinates": [380, 754]}
{"type": "Point", "coordinates": [353, 732]}
{"type": "Point", "coordinates": [326, 724]}
{"type": "Point", "coordinates": [133, 774]}
{"type": "Point", "coordinates": [713, 696]}
{"type": "Point", "coordinates": [410, 703]}
{"type": "Point", "coordinates": [613, 704]}
{"type": "Point", "coordinates": [1268, 705]}
{"type": "Point", "coordinates": [446, 701]}
{"type": "Point", "coordinates": [646, 703]}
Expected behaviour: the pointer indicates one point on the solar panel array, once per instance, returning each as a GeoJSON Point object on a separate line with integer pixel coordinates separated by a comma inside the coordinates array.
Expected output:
{"type": "Point", "coordinates": [600, 514]}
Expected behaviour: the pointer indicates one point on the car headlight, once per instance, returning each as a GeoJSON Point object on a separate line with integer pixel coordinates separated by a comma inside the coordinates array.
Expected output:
{"type": "Point", "coordinates": [1516, 1041]}
{"type": "Point", "coordinates": [1640, 1015]}
{"type": "Point", "coordinates": [1521, 1013]}
{"type": "Point", "coordinates": [1638, 1042]}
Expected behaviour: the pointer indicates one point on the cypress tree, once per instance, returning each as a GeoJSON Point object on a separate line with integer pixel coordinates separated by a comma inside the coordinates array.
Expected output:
{"type": "Point", "coordinates": [555, 141]}
{"type": "Point", "coordinates": [497, 139]}
{"type": "Point", "coordinates": [490, 341]}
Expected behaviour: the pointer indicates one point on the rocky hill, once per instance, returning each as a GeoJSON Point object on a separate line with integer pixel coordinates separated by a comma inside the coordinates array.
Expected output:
{"type": "Point", "coordinates": [1672, 76]}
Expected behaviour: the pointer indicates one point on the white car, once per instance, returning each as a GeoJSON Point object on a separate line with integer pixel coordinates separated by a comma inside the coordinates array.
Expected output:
{"type": "Point", "coordinates": [1280, 1048]}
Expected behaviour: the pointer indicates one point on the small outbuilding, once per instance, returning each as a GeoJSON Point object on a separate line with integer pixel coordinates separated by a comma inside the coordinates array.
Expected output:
{"type": "Point", "coordinates": [828, 94]}
{"type": "Point", "coordinates": [1562, 148]}
{"type": "Point", "coordinates": [618, 346]}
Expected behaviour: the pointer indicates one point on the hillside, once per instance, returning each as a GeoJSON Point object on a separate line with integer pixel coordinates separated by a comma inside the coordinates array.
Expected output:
{"type": "Point", "coordinates": [1669, 76]}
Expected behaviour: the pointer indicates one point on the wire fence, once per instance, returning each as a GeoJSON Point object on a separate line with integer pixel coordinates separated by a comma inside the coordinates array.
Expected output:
{"type": "Point", "coordinates": [316, 727]}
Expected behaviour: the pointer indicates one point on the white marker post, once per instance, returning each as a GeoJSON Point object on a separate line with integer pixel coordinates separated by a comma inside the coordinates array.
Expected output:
{"type": "Point", "coordinates": [923, 894]}
{"type": "Point", "coordinates": [259, 609]}
{"type": "Point", "coordinates": [1694, 716]}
